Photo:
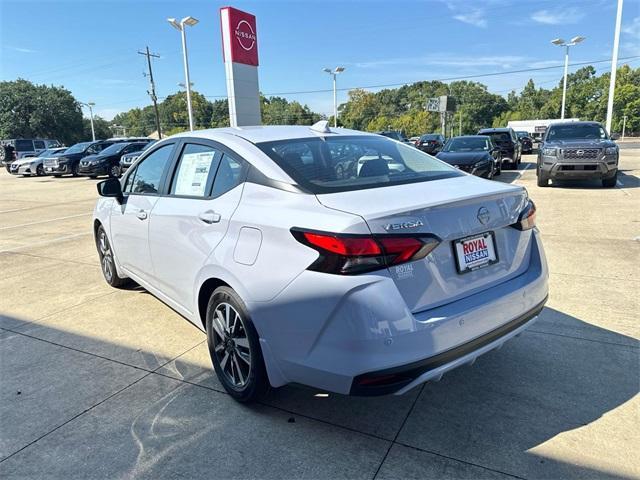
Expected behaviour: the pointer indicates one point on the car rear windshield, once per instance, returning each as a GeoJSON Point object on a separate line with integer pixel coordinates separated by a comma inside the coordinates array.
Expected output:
{"type": "Point", "coordinates": [575, 132]}
{"type": "Point", "coordinates": [429, 137]}
{"type": "Point", "coordinates": [471, 144]}
{"type": "Point", "coordinates": [339, 164]}
{"type": "Point", "coordinates": [498, 137]}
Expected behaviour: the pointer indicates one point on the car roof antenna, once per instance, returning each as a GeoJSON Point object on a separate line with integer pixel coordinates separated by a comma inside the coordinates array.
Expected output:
{"type": "Point", "coordinates": [322, 126]}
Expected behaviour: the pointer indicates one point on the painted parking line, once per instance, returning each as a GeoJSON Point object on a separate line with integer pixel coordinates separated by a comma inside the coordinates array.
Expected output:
{"type": "Point", "coordinates": [46, 242]}
{"type": "Point", "coordinates": [45, 221]}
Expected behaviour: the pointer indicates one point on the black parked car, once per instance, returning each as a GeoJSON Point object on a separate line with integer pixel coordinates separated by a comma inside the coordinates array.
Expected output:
{"type": "Point", "coordinates": [431, 143]}
{"type": "Point", "coordinates": [69, 162]}
{"type": "Point", "coordinates": [507, 140]}
{"type": "Point", "coordinates": [475, 154]}
{"type": "Point", "coordinates": [107, 162]}
{"type": "Point", "coordinates": [526, 141]}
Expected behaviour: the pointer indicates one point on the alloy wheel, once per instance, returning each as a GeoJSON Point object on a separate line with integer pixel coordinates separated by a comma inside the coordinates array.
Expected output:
{"type": "Point", "coordinates": [115, 171]}
{"type": "Point", "coordinates": [106, 260]}
{"type": "Point", "coordinates": [231, 345]}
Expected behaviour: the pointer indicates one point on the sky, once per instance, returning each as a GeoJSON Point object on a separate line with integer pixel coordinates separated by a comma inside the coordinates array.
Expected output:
{"type": "Point", "coordinates": [90, 46]}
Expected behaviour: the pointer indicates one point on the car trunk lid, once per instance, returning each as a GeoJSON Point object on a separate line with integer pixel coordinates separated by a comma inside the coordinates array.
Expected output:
{"type": "Point", "coordinates": [452, 209]}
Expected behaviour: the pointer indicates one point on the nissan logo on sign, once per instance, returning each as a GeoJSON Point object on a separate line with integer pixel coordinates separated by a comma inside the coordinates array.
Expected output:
{"type": "Point", "coordinates": [245, 35]}
{"type": "Point", "coordinates": [239, 35]}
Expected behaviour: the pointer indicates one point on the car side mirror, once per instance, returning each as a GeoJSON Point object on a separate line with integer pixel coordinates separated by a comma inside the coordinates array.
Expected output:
{"type": "Point", "coordinates": [111, 188]}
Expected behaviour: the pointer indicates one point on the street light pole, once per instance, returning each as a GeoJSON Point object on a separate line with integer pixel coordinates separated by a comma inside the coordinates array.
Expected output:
{"type": "Point", "coordinates": [564, 82]}
{"type": "Point", "coordinates": [614, 67]}
{"type": "Point", "coordinates": [334, 73]}
{"type": "Point", "coordinates": [90, 105]}
{"type": "Point", "coordinates": [190, 21]}
{"type": "Point", "coordinates": [561, 43]}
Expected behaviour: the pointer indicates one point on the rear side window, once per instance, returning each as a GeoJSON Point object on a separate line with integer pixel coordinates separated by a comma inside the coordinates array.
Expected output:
{"type": "Point", "coordinates": [148, 174]}
{"type": "Point", "coordinates": [38, 144]}
{"type": "Point", "coordinates": [24, 145]}
{"type": "Point", "coordinates": [195, 172]}
{"type": "Point", "coordinates": [339, 164]}
{"type": "Point", "coordinates": [231, 173]}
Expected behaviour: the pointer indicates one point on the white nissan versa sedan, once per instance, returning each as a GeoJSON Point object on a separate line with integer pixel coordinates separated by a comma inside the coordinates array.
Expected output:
{"type": "Point", "coordinates": [366, 283]}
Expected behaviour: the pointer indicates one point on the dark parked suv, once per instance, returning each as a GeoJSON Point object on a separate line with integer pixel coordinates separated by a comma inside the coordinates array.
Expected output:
{"type": "Point", "coordinates": [431, 143]}
{"type": "Point", "coordinates": [107, 162]}
{"type": "Point", "coordinates": [526, 141]}
{"type": "Point", "coordinates": [577, 150]}
{"type": "Point", "coordinates": [507, 141]}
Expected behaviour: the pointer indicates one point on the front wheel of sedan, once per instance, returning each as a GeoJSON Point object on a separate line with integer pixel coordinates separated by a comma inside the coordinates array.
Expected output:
{"type": "Point", "coordinates": [234, 347]}
{"type": "Point", "coordinates": [40, 170]}
{"type": "Point", "coordinates": [107, 262]}
{"type": "Point", "coordinates": [114, 171]}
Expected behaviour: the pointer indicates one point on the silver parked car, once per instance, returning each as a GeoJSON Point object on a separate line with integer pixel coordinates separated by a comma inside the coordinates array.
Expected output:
{"type": "Point", "coordinates": [34, 165]}
{"type": "Point", "coordinates": [367, 283]}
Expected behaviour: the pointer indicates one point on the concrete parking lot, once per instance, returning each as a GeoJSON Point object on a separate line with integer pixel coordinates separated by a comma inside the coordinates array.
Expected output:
{"type": "Point", "coordinates": [99, 383]}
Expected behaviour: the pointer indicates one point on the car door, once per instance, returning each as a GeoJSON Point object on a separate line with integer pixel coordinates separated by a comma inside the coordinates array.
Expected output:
{"type": "Point", "coordinates": [130, 220]}
{"type": "Point", "coordinates": [188, 223]}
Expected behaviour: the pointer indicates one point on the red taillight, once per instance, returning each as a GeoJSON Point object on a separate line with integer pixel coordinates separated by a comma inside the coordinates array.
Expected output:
{"type": "Point", "coordinates": [527, 218]}
{"type": "Point", "coordinates": [402, 249]}
{"type": "Point", "coordinates": [352, 254]}
{"type": "Point", "coordinates": [348, 246]}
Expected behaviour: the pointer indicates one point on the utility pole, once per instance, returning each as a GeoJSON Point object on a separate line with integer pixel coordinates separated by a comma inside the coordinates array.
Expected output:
{"type": "Point", "coordinates": [624, 126]}
{"type": "Point", "coordinates": [152, 91]}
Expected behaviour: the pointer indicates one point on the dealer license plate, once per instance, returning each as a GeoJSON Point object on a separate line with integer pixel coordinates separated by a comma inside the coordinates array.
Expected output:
{"type": "Point", "coordinates": [475, 252]}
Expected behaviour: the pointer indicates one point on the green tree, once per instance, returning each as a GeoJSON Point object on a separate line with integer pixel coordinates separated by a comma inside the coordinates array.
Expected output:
{"type": "Point", "coordinates": [28, 110]}
{"type": "Point", "coordinates": [100, 125]}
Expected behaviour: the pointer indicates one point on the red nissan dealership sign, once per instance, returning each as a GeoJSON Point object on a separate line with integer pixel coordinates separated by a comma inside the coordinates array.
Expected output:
{"type": "Point", "coordinates": [243, 41]}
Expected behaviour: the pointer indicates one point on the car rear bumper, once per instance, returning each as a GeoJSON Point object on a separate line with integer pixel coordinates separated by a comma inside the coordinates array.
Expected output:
{"type": "Point", "coordinates": [344, 334]}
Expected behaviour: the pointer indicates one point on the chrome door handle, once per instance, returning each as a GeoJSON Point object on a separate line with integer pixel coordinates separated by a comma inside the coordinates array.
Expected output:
{"type": "Point", "coordinates": [210, 217]}
{"type": "Point", "coordinates": [142, 215]}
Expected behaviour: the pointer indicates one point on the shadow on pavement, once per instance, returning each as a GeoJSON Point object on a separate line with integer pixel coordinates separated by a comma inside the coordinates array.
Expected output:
{"type": "Point", "coordinates": [500, 414]}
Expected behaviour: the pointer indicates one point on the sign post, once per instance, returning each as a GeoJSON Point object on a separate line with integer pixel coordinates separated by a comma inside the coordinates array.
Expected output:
{"type": "Point", "coordinates": [240, 52]}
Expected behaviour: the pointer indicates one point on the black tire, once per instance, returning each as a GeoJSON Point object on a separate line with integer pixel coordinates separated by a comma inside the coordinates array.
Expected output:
{"type": "Point", "coordinates": [93, 177]}
{"type": "Point", "coordinates": [8, 167]}
{"type": "Point", "coordinates": [40, 170]}
{"type": "Point", "coordinates": [610, 182]}
{"type": "Point", "coordinates": [498, 167]}
{"type": "Point", "coordinates": [543, 178]}
{"type": "Point", "coordinates": [75, 169]}
{"type": "Point", "coordinates": [107, 264]}
{"type": "Point", "coordinates": [235, 347]}
{"type": "Point", "coordinates": [57, 176]}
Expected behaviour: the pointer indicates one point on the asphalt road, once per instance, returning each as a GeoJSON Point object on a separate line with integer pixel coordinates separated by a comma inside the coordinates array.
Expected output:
{"type": "Point", "coordinates": [99, 383]}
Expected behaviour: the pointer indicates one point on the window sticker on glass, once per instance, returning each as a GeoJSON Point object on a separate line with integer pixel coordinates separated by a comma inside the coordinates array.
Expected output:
{"type": "Point", "coordinates": [193, 174]}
